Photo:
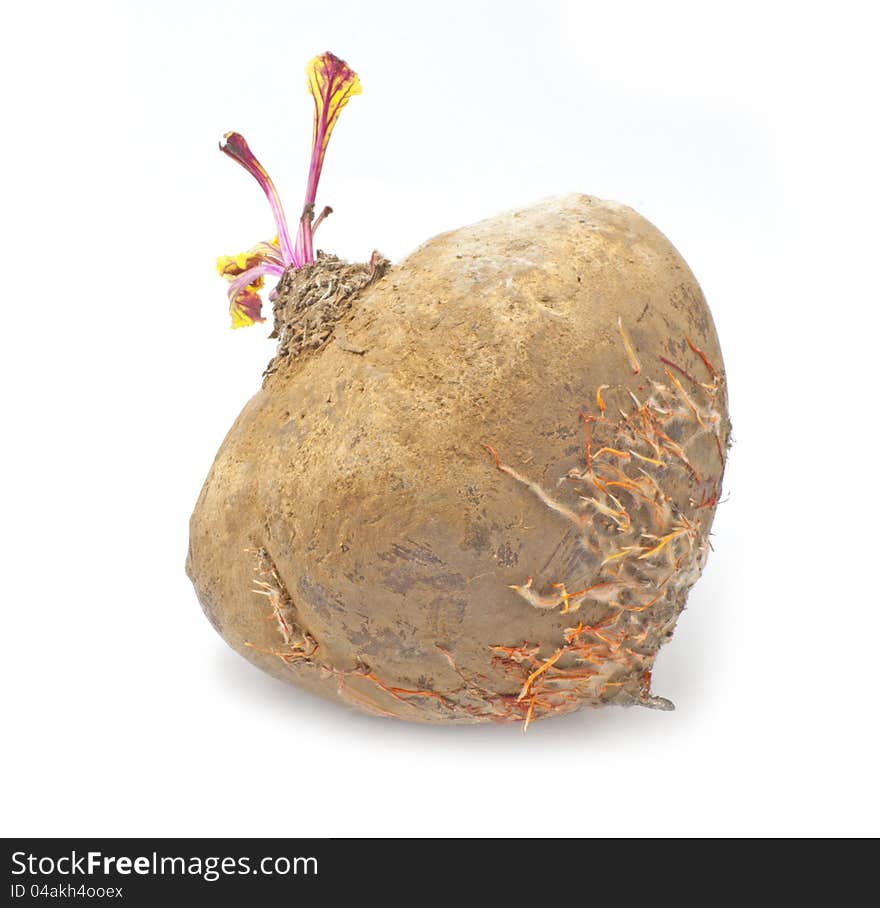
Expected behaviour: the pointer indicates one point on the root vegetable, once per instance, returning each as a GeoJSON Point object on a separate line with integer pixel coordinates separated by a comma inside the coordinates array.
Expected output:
{"type": "Point", "coordinates": [489, 501]}
{"type": "Point", "coordinates": [477, 486]}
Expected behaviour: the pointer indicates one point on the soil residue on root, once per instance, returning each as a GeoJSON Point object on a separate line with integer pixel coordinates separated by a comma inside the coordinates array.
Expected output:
{"type": "Point", "coordinates": [308, 303]}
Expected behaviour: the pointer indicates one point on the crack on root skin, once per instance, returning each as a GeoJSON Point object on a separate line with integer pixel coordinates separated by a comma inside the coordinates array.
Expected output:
{"type": "Point", "coordinates": [296, 643]}
{"type": "Point", "coordinates": [648, 545]}
{"type": "Point", "coordinates": [308, 303]}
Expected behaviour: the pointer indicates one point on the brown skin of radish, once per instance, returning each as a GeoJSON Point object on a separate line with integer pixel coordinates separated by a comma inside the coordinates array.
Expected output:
{"type": "Point", "coordinates": [354, 491]}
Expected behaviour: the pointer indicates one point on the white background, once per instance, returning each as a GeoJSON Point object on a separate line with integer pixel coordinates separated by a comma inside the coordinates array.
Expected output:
{"type": "Point", "coordinates": [746, 132]}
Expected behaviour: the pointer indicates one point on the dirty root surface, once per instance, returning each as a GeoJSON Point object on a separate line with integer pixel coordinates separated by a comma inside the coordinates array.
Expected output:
{"type": "Point", "coordinates": [308, 303]}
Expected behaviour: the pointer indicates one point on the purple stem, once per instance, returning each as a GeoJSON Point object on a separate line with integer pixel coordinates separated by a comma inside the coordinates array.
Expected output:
{"type": "Point", "coordinates": [235, 146]}
{"type": "Point", "coordinates": [240, 281]}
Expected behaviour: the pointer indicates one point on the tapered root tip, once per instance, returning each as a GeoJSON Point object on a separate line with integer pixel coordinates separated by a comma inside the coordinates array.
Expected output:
{"type": "Point", "coordinates": [657, 703]}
